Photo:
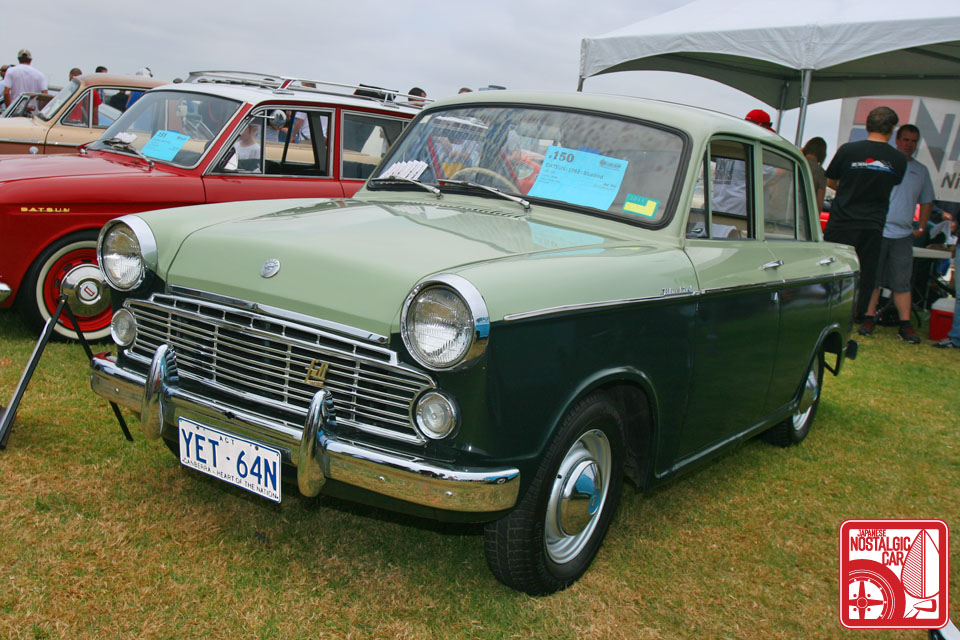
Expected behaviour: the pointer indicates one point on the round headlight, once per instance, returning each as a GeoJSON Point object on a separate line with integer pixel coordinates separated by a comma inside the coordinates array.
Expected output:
{"type": "Point", "coordinates": [444, 322]}
{"type": "Point", "coordinates": [123, 328]}
{"type": "Point", "coordinates": [120, 257]}
{"type": "Point", "coordinates": [436, 415]}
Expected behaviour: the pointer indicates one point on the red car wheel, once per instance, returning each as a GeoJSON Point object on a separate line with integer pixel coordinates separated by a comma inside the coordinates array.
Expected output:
{"type": "Point", "coordinates": [41, 288]}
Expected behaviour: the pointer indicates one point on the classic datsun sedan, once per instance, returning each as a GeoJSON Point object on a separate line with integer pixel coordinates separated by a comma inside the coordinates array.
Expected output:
{"type": "Point", "coordinates": [220, 136]}
{"type": "Point", "coordinates": [75, 115]}
{"type": "Point", "coordinates": [534, 296]}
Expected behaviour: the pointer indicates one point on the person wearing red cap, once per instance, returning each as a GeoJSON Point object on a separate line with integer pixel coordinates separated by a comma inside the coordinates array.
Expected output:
{"type": "Point", "coordinates": [760, 117]}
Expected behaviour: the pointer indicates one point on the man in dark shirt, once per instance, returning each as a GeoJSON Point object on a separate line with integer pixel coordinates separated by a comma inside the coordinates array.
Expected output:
{"type": "Point", "coordinates": [863, 173]}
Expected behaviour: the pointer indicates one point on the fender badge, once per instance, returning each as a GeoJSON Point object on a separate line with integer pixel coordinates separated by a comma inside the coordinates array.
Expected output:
{"type": "Point", "coordinates": [270, 268]}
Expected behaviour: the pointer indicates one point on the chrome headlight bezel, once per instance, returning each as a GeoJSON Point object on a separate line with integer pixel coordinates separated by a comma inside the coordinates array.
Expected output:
{"type": "Point", "coordinates": [478, 328]}
{"type": "Point", "coordinates": [146, 254]}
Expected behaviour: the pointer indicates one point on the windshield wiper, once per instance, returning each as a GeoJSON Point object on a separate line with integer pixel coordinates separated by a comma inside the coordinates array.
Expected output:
{"type": "Point", "coordinates": [423, 185]}
{"type": "Point", "coordinates": [117, 143]}
{"type": "Point", "coordinates": [470, 183]}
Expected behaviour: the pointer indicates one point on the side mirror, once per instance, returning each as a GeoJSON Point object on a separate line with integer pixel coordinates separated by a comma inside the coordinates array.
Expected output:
{"type": "Point", "coordinates": [277, 119]}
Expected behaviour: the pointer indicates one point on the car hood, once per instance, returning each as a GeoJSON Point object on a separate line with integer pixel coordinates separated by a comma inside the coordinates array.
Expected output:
{"type": "Point", "coordinates": [31, 167]}
{"type": "Point", "coordinates": [354, 262]}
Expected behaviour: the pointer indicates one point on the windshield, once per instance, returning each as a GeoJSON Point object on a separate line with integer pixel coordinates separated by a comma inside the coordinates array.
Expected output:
{"type": "Point", "coordinates": [175, 127]}
{"type": "Point", "coordinates": [617, 166]}
{"type": "Point", "coordinates": [58, 100]}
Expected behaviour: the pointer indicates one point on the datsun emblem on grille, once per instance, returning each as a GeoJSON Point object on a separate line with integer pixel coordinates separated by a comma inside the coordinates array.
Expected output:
{"type": "Point", "coordinates": [317, 373]}
{"type": "Point", "coordinates": [270, 268]}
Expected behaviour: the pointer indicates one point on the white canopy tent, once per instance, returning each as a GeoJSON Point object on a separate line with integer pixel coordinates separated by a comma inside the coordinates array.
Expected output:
{"type": "Point", "coordinates": [792, 55]}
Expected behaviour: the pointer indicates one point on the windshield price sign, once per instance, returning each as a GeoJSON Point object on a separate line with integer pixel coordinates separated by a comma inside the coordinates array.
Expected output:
{"type": "Point", "coordinates": [579, 177]}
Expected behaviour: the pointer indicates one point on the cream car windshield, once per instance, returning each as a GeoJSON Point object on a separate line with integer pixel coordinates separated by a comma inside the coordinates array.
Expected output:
{"type": "Point", "coordinates": [58, 100]}
{"type": "Point", "coordinates": [618, 166]}
{"type": "Point", "coordinates": [174, 127]}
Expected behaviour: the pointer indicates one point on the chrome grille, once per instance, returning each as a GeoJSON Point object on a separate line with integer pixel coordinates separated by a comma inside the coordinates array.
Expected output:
{"type": "Point", "coordinates": [263, 361]}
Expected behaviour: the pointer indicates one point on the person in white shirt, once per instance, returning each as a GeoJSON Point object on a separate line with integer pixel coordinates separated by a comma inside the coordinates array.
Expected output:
{"type": "Point", "coordinates": [22, 78]}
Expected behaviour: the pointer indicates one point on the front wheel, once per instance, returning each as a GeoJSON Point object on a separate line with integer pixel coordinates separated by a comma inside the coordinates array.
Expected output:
{"type": "Point", "coordinates": [795, 428]}
{"type": "Point", "coordinates": [40, 290]}
{"type": "Point", "coordinates": [552, 536]}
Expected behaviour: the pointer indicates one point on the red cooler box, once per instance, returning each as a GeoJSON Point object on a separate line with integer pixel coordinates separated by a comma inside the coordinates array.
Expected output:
{"type": "Point", "coordinates": [941, 318]}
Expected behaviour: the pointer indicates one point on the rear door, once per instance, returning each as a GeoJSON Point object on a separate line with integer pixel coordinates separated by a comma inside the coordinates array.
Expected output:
{"type": "Point", "coordinates": [738, 312]}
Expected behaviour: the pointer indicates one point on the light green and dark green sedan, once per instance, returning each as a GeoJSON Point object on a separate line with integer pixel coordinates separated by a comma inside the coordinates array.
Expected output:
{"type": "Point", "coordinates": [535, 296]}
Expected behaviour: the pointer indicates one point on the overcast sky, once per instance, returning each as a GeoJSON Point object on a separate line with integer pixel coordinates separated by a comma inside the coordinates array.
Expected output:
{"type": "Point", "coordinates": [437, 45]}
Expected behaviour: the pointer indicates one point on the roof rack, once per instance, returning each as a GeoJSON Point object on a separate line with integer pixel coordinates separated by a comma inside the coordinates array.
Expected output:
{"type": "Point", "coordinates": [287, 84]}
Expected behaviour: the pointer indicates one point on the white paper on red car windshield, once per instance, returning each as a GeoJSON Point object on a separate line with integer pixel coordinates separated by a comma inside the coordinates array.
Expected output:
{"type": "Point", "coordinates": [164, 145]}
{"type": "Point", "coordinates": [580, 177]}
{"type": "Point", "coordinates": [411, 169]}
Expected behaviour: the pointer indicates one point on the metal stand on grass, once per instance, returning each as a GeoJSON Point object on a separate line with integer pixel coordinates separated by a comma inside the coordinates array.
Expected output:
{"type": "Point", "coordinates": [7, 415]}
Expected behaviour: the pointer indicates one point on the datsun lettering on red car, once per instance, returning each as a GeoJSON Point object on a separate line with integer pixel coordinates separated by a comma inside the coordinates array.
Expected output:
{"type": "Point", "coordinates": [220, 136]}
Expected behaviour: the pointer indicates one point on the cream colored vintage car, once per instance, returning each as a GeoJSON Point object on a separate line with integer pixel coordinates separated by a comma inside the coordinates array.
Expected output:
{"type": "Point", "coordinates": [77, 114]}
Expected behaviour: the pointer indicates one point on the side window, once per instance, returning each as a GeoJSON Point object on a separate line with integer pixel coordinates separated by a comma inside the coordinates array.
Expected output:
{"type": "Point", "coordinates": [366, 139]}
{"type": "Point", "coordinates": [281, 142]}
{"type": "Point", "coordinates": [803, 213]}
{"type": "Point", "coordinates": [730, 200]}
{"type": "Point", "coordinates": [108, 104]}
{"type": "Point", "coordinates": [79, 114]}
{"type": "Point", "coordinates": [697, 222]}
{"type": "Point", "coordinates": [779, 197]}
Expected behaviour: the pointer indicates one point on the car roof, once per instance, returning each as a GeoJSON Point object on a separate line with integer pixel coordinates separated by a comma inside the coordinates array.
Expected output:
{"type": "Point", "coordinates": [698, 122]}
{"type": "Point", "coordinates": [116, 79]}
{"type": "Point", "coordinates": [255, 88]}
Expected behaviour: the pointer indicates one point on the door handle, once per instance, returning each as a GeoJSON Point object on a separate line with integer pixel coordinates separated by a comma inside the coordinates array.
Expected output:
{"type": "Point", "coordinates": [827, 261]}
{"type": "Point", "coordinates": [776, 264]}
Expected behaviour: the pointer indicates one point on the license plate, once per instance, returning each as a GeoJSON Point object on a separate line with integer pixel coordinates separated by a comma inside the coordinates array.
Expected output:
{"type": "Point", "coordinates": [244, 463]}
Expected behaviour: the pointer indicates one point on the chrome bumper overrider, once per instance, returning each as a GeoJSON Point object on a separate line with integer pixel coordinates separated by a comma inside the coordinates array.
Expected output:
{"type": "Point", "coordinates": [5, 291]}
{"type": "Point", "coordinates": [316, 453]}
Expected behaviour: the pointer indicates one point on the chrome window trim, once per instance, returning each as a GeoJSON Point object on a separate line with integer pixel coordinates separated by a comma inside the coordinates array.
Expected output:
{"type": "Point", "coordinates": [344, 112]}
{"type": "Point", "coordinates": [228, 145]}
{"type": "Point", "coordinates": [282, 314]}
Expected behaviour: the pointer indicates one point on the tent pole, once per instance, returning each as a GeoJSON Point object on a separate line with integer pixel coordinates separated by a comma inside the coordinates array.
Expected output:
{"type": "Point", "coordinates": [580, 83]}
{"type": "Point", "coordinates": [783, 99]}
{"type": "Point", "coordinates": [804, 98]}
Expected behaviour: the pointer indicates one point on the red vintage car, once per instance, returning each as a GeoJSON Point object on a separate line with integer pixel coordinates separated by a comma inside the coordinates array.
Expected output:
{"type": "Point", "coordinates": [219, 136]}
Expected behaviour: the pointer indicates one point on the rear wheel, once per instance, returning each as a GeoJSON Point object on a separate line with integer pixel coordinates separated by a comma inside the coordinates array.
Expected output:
{"type": "Point", "coordinates": [40, 291]}
{"type": "Point", "coordinates": [795, 428]}
{"type": "Point", "coordinates": [552, 536]}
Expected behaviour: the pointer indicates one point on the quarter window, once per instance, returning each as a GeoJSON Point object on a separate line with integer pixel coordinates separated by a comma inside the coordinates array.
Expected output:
{"type": "Point", "coordinates": [779, 197]}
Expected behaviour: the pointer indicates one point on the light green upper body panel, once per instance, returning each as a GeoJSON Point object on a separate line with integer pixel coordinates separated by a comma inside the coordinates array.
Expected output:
{"type": "Point", "coordinates": [355, 261]}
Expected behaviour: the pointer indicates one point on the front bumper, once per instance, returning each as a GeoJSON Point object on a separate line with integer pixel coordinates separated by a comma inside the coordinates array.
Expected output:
{"type": "Point", "coordinates": [316, 453]}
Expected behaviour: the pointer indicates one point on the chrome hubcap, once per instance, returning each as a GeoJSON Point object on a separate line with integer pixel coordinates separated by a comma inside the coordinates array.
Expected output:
{"type": "Point", "coordinates": [811, 389]}
{"type": "Point", "coordinates": [577, 496]}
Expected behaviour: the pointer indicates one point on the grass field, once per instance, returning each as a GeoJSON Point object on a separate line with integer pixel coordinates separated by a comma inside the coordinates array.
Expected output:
{"type": "Point", "coordinates": [101, 538]}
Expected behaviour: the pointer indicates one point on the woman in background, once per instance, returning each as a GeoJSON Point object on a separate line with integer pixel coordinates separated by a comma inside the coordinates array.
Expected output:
{"type": "Point", "coordinates": [816, 152]}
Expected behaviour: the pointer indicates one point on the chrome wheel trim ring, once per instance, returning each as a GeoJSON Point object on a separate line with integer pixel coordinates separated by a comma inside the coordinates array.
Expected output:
{"type": "Point", "coordinates": [811, 390]}
{"type": "Point", "coordinates": [591, 452]}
